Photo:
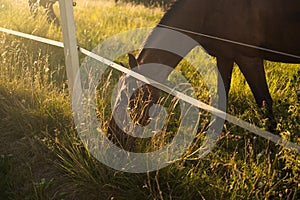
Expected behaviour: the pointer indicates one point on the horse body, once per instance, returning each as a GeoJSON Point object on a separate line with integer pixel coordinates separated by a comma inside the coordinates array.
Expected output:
{"type": "Point", "coordinates": [233, 31]}
{"type": "Point", "coordinates": [269, 24]}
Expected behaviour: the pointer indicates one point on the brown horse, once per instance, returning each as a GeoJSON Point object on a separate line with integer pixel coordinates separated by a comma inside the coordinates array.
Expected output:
{"type": "Point", "coordinates": [244, 32]}
{"type": "Point", "coordinates": [47, 6]}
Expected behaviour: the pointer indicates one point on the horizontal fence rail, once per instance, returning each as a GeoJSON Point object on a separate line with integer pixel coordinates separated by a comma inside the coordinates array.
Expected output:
{"type": "Point", "coordinates": [230, 41]}
{"type": "Point", "coordinates": [230, 118]}
{"type": "Point", "coordinates": [33, 37]}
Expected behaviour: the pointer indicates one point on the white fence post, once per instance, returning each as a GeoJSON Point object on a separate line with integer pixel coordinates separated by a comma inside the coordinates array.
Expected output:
{"type": "Point", "coordinates": [69, 40]}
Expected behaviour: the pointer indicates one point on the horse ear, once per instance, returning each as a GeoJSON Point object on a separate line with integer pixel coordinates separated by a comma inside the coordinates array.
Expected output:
{"type": "Point", "coordinates": [132, 61]}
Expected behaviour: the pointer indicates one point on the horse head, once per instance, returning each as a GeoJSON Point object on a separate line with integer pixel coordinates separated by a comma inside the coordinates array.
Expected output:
{"type": "Point", "coordinates": [134, 100]}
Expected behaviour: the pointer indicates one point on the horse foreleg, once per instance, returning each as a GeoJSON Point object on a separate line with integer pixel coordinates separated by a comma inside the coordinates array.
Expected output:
{"type": "Point", "coordinates": [33, 7]}
{"type": "Point", "coordinates": [51, 17]}
{"type": "Point", "coordinates": [253, 70]}
{"type": "Point", "coordinates": [225, 67]}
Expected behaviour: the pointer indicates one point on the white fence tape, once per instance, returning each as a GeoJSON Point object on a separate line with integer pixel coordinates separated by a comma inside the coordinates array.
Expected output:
{"type": "Point", "coordinates": [33, 37]}
{"type": "Point", "coordinates": [230, 118]}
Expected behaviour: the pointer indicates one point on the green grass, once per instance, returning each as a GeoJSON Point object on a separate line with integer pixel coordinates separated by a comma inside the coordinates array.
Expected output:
{"type": "Point", "coordinates": [151, 3]}
{"type": "Point", "coordinates": [41, 156]}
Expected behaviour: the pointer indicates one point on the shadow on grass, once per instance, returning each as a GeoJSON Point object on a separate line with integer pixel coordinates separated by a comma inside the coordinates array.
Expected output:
{"type": "Point", "coordinates": [26, 164]}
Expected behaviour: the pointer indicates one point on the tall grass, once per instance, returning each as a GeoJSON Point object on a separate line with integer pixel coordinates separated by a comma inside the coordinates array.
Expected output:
{"type": "Point", "coordinates": [151, 3]}
{"type": "Point", "coordinates": [41, 156]}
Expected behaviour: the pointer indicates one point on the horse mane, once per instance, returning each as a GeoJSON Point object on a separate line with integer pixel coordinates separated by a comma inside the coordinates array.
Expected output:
{"type": "Point", "coordinates": [172, 5]}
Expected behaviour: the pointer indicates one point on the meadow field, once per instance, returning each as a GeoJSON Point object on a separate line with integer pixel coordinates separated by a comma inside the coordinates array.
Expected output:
{"type": "Point", "coordinates": [42, 157]}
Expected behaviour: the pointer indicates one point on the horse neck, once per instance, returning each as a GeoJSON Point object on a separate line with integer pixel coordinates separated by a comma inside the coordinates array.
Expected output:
{"type": "Point", "coordinates": [163, 51]}
{"type": "Point", "coordinates": [157, 64]}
